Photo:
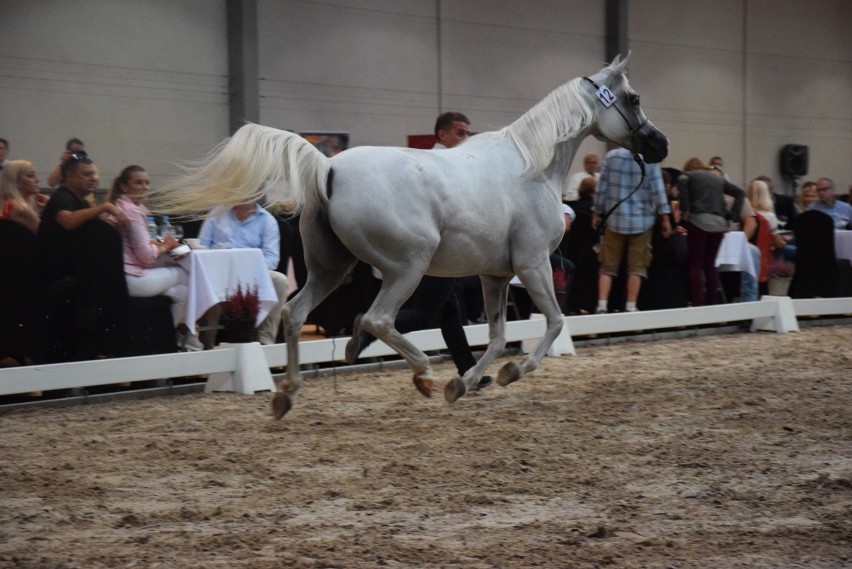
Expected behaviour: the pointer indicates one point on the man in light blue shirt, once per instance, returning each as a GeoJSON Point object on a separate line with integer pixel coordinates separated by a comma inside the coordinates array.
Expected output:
{"type": "Point", "coordinates": [828, 203]}
{"type": "Point", "coordinates": [245, 226]}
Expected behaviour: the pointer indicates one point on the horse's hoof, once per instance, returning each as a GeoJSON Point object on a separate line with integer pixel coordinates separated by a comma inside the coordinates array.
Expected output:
{"type": "Point", "coordinates": [454, 389]}
{"type": "Point", "coordinates": [509, 373]}
{"type": "Point", "coordinates": [281, 404]}
{"type": "Point", "coordinates": [353, 346]}
{"type": "Point", "coordinates": [352, 350]}
{"type": "Point", "coordinates": [424, 386]}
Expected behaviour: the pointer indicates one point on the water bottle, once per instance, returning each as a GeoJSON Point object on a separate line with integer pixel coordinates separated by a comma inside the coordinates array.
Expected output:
{"type": "Point", "coordinates": [153, 231]}
{"type": "Point", "coordinates": [166, 227]}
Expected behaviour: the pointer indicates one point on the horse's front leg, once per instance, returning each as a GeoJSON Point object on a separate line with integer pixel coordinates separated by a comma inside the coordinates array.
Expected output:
{"type": "Point", "coordinates": [539, 285]}
{"type": "Point", "coordinates": [495, 292]}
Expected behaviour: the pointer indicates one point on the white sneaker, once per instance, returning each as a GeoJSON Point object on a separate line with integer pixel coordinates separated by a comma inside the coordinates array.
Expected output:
{"type": "Point", "coordinates": [600, 311]}
{"type": "Point", "coordinates": [189, 342]}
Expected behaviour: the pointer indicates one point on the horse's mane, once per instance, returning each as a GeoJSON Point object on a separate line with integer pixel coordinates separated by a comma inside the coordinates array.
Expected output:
{"type": "Point", "coordinates": [558, 117]}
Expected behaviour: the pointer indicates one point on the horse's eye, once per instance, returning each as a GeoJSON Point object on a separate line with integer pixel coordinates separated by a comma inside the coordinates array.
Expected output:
{"type": "Point", "coordinates": [634, 99]}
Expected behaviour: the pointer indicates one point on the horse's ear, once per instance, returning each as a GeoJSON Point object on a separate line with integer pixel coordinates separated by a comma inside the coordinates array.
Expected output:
{"type": "Point", "coordinates": [620, 65]}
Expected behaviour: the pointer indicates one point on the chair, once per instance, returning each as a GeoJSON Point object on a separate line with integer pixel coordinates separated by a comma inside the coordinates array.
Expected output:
{"type": "Point", "coordinates": [21, 319]}
{"type": "Point", "coordinates": [92, 315]}
{"type": "Point", "coordinates": [818, 272]}
{"type": "Point", "coordinates": [576, 246]}
{"type": "Point", "coordinates": [763, 241]}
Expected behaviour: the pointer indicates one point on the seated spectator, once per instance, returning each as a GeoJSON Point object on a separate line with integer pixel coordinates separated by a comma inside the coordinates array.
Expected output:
{"type": "Point", "coordinates": [828, 203]}
{"type": "Point", "coordinates": [63, 235]}
{"type": "Point", "coordinates": [142, 253]}
{"type": "Point", "coordinates": [807, 195]}
{"type": "Point", "coordinates": [784, 206]}
{"type": "Point", "coordinates": [66, 211]}
{"type": "Point", "coordinates": [248, 225]}
{"type": "Point", "coordinates": [74, 146]}
{"type": "Point", "coordinates": [761, 200]}
{"type": "Point", "coordinates": [4, 149]}
{"type": "Point", "coordinates": [18, 194]}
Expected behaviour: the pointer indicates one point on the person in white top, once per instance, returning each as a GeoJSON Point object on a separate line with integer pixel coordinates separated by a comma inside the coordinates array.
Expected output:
{"type": "Point", "coordinates": [570, 189]}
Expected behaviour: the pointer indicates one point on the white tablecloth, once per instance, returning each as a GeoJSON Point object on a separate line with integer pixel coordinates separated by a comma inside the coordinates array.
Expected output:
{"type": "Point", "coordinates": [215, 273]}
{"type": "Point", "coordinates": [843, 244]}
{"type": "Point", "coordinates": [734, 254]}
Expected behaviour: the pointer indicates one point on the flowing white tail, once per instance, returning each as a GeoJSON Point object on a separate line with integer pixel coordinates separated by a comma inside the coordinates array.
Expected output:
{"type": "Point", "coordinates": [256, 161]}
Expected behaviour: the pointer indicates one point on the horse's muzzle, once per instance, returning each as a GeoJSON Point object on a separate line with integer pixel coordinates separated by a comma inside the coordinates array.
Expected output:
{"type": "Point", "coordinates": [652, 144]}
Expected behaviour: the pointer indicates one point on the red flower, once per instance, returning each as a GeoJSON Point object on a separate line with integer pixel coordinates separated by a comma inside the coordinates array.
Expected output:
{"type": "Point", "coordinates": [242, 305]}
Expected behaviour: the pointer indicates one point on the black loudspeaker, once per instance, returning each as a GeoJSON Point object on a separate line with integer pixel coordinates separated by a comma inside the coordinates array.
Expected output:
{"type": "Point", "coordinates": [794, 160]}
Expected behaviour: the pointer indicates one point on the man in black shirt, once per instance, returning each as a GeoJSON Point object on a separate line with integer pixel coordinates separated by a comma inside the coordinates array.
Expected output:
{"type": "Point", "coordinates": [66, 211]}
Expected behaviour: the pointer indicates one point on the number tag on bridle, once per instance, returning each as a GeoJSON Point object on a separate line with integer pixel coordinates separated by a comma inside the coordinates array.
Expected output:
{"type": "Point", "coordinates": [605, 96]}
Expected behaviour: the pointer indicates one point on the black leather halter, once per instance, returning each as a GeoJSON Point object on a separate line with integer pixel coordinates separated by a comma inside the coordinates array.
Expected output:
{"type": "Point", "coordinates": [634, 135]}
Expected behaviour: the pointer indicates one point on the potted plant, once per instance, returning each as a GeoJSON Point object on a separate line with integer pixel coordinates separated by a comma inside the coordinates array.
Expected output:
{"type": "Point", "coordinates": [239, 314]}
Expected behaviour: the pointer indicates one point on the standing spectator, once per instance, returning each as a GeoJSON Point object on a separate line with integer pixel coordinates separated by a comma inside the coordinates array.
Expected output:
{"type": "Point", "coordinates": [705, 214]}
{"type": "Point", "coordinates": [434, 300]}
{"type": "Point", "coordinates": [570, 190]}
{"type": "Point", "coordinates": [18, 193]}
{"type": "Point", "coordinates": [245, 226]}
{"type": "Point", "coordinates": [630, 223]}
{"type": "Point", "coordinates": [75, 147]}
{"type": "Point", "coordinates": [4, 149]}
{"type": "Point", "coordinates": [828, 203]}
{"type": "Point", "coordinates": [716, 163]}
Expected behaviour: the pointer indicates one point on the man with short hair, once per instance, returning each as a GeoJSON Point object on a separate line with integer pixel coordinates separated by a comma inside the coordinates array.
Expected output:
{"type": "Point", "coordinates": [828, 203]}
{"type": "Point", "coordinates": [249, 226]}
{"type": "Point", "coordinates": [74, 146]}
{"type": "Point", "coordinates": [571, 189]}
{"type": "Point", "coordinates": [434, 300]}
{"type": "Point", "coordinates": [65, 212]}
{"type": "Point", "coordinates": [451, 128]}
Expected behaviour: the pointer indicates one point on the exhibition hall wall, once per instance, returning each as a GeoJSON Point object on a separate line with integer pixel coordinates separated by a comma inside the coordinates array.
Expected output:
{"type": "Point", "coordinates": [147, 81]}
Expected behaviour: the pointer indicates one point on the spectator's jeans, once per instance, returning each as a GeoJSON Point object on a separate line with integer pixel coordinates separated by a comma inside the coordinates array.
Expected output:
{"type": "Point", "coordinates": [748, 284]}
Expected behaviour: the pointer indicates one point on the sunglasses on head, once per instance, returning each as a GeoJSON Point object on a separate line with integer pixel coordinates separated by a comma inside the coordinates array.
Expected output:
{"type": "Point", "coordinates": [78, 155]}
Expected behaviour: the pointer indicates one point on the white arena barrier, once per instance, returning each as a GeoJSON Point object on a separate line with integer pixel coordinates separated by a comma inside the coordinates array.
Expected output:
{"type": "Point", "coordinates": [244, 368]}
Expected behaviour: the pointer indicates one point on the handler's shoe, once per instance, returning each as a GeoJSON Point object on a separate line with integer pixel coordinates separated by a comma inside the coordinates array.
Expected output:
{"type": "Point", "coordinates": [484, 382]}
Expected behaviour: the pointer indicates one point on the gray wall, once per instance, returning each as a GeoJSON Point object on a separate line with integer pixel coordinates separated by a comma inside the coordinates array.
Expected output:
{"type": "Point", "coordinates": [146, 81]}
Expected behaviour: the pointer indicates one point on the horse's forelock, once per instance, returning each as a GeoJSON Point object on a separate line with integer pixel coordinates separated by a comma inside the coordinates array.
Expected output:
{"type": "Point", "coordinates": [559, 116]}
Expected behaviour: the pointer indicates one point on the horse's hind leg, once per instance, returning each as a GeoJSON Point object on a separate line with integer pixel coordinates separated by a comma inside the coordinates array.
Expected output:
{"type": "Point", "coordinates": [379, 320]}
{"type": "Point", "coordinates": [328, 262]}
{"type": "Point", "coordinates": [539, 284]}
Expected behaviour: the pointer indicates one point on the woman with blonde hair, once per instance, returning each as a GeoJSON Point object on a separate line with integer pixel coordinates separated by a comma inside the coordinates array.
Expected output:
{"type": "Point", "coordinates": [18, 193]}
{"type": "Point", "coordinates": [760, 198]}
{"type": "Point", "coordinates": [807, 195]}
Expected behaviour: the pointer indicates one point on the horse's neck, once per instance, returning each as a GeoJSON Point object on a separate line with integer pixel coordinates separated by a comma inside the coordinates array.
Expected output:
{"type": "Point", "coordinates": [563, 155]}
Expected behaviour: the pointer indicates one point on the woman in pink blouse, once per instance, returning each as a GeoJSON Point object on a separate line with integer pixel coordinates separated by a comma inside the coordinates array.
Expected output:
{"type": "Point", "coordinates": [147, 275]}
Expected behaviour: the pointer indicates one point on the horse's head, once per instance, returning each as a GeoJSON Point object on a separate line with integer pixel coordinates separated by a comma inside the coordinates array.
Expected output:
{"type": "Point", "coordinates": [620, 118]}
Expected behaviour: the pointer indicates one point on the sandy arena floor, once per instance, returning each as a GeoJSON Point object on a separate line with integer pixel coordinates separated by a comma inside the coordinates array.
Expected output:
{"type": "Point", "coordinates": [722, 451]}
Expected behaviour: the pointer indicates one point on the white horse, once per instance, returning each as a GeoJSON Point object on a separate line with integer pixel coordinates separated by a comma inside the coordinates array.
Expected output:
{"type": "Point", "coordinates": [489, 207]}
